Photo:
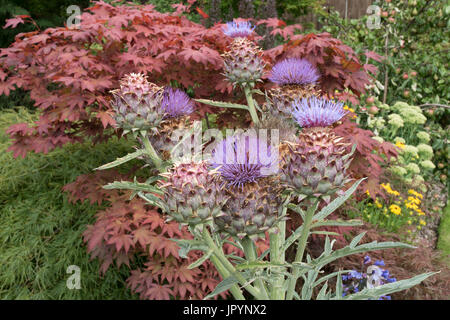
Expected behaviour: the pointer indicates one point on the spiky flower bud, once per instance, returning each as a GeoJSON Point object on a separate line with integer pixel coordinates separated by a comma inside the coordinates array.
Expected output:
{"type": "Point", "coordinates": [192, 193]}
{"type": "Point", "coordinates": [317, 112]}
{"type": "Point", "coordinates": [243, 63]}
{"type": "Point", "coordinates": [137, 104]}
{"type": "Point", "coordinates": [246, 168]}
{"type": "Point", "coordinates": [316, 165]}
{"type": "Point", "coordinates": [297, 79]}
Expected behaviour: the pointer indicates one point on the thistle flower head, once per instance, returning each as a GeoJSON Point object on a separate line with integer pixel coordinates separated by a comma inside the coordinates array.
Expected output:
{"type": "Point", "coordinates": [317, 112]}
{"type": "Point", "coordinates": [294, 71]}
{"type": "Point", "coordinates": [243, 159]}
{"type": "Point", "coordinates": [176, 103]}
{"type": "Point", "coordinates": [238, 29]}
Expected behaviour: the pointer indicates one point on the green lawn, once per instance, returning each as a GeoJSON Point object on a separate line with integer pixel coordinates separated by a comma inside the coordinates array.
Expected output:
{"type": "Point", "coordinates": [40, 232]}
{"type": "Point", "coordinates": [444, 233]}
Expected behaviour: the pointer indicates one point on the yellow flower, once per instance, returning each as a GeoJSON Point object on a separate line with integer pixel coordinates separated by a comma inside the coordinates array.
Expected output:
{"type": "Point", "coordinates": [422, 222]}
{"type": "Point", "coordinates": [389, 189]}
{"type": "Point", "coordinates": [409, 221]}
{"type": "Point", "coordinates": [395, 209]}
{"type": "Point", "coordinates": [378, 204]}
{"type": "Point", "coordinates": [420, 212]}
{"type": "Point", "coordinates": [400, 145]}
{"type": "Point", "coordinates": [367, 192]}
{"type": "Point", "coordinates": [415, 193]}
{"type": "Point", "coordinates": [414, 200]}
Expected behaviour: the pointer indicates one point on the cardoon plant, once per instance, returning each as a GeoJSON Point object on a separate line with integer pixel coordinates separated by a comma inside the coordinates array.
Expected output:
{"type": "Point", "coordinates": [239, 195]}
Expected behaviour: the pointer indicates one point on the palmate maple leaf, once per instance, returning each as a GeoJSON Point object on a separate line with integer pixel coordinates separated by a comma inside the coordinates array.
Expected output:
{"type": "Point", "coordinates": [14, 22]}
{"type": "Point", "coordinates": [159, 292]}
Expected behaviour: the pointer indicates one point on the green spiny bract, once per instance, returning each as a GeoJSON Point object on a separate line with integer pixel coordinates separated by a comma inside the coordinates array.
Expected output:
{"type": "Point", "coordinates": [192, 193]}
{"type": "Point", "coordinates": [137, 104]}
{"type": "Point", "coordinates": [316, 164]}
{"type": "Point", "coordinates": [251, 210]}
{"type": "Point", "coordinates": [243, 63]}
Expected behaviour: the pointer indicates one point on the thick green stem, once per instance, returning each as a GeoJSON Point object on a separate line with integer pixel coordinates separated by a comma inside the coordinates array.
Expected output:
{"type": "Point", "coordinates": [301, 250]}
{"type": "Point", "coordinates": [227, 264]}
{"type": "Point", "coordinates": [251, 255]}
{"type": "Point", "coordinates": [151, 152]}
{"type": "Point", "coordinates": [251, 104]}
{"type": "Point", "coordinates": [278, 256]}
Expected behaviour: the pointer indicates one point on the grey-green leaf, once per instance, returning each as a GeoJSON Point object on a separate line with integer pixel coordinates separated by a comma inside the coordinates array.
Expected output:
{"type": "Point", "coordinates": [223, 286]}
{"type": "Point", "coordinates": [336, 203]}
{"type": "Point", "coordinates": [222, 104]}
{"type": "Point", "coordinates": [122, 160]}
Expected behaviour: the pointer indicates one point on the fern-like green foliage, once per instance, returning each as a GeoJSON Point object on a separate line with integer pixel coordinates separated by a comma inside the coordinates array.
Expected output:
{"type": "Point", "coordinates": [40, 232]}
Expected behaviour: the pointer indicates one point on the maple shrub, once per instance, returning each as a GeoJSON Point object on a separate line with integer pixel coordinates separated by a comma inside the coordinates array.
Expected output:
{"type": "Point", "coordinates": [69, 73]}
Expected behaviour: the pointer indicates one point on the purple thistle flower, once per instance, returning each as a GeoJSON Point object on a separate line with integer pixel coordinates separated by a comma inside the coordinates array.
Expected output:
{"type": "Point", "coordinates": [317, 112]}
{"type": "Point", "coordinates": [243, 159]}
{"type": "Point", "coordinates": [240, 29]}
{"type": "Point", "coordinates": [176, 103]}
{"type": "Point", "coordinates": [294, 71]}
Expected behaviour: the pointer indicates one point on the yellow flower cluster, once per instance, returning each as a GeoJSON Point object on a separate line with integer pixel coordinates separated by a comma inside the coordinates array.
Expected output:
{"type": "Point", "coordinates": [395, 209]}
{"type": "Point", "coordinates": [389, 189]}
{"type": "Point", "coordinates": [415, 193]}
{"type": "Point", "coordinates": [413, 203]}
{"type": "Point", "coordinates": [400, 145]}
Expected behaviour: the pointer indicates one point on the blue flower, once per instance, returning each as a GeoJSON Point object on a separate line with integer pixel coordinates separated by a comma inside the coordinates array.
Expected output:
{"type": "Point", "coordinates": [379, 263]}
{"type": "Point", "coordinates": [385, 274]}
{"type": "Point", "coordinates": [390, 280]}
{"type": "Point", "coordinates": [367, 259]}
{"type": "Point", "coordinates": [317, 112]}
{"type": "Point", "coordinates": [241, 29]}
{"type": "Point", "coordinates": [176, 103]}
{"type": "Point", "coordinates": [355, 274]}
{"type": "Point", "coordinates": [242, 159]}
{"type": "Point", "coordinates": [294, 71]}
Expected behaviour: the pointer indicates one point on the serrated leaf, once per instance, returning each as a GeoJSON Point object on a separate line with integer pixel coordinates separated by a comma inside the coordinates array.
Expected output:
{"type": "Point", "coordinates": [187, 245]}
{"type": "Point", "coordinates": [154, 200]}
{"type": "Point", "coordinates": [357, 239]}
{"type": "Point", "coordinates": [200, 261]}
{"type": "Point", "coordinates": [222, 286]}
{"type": "Point", "coordinates": [297, 209]}
{"type": "Point", "coordinates": [327, 233]}
{"type": "Point", "coordinates": [221, 104]}
{"type": "Point", "coordinates": [322, 295]}
{"type": "Point", "coordinates": [336, 203]}
{"type": "Point", "coordinates": [339, 286]}
{"type": "Point", "coordinates": [346, 251]}
{"type": "Point", "coordinates": [338, 223]}
{"type": "Point", "coordinates": [329, 276]}
{"type": "Point", "coordinates": [292, 238]}
{"type": "Point", "coordinates": [259, 265]}
{"type": "Point", "coordinates": [137, 186]}
{"type": "Point", "coordinates": [120, 161]}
